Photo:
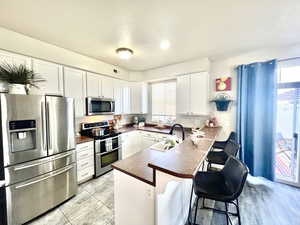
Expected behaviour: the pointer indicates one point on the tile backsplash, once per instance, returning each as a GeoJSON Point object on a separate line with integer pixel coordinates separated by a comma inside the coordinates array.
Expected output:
{"type": "Point", "coordinates": [90, 119]}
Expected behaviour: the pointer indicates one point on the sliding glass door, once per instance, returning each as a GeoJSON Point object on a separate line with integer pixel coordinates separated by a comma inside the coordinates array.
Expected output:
{"type": "Point", "coordinates": [287, 155]}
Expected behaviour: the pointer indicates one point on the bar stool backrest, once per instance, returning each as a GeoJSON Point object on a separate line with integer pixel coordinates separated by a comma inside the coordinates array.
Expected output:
{"type": "Point", "coordinates": [231, 148]}
{"type": "Point", "coordinates": [232, 136]}
{"type": "Point", "coordinates": [235, 174]}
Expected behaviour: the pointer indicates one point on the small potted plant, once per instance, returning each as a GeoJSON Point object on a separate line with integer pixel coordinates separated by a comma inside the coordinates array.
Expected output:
{"type": "Point", "coordinates": [222, 102]}
{"type": "Point", "coordinates": [19, 79]}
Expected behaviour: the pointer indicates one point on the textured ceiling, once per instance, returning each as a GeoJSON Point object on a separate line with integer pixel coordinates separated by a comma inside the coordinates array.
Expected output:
{"type": "Point", "coordinates": [195, 28]}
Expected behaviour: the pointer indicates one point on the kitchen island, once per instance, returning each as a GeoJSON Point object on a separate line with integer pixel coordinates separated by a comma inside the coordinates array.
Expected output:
{"type": "Point", "coordinates": [153, 187]}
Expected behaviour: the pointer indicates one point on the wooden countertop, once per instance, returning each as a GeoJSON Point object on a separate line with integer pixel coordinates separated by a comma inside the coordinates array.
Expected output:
{"type": "Point", "coordinates": [182, 161]}
{"type": "Point", "coordinates": [145, 128]}
{"type": "Point", "coordinates": [83, 139]}
{"type": "Point", "coordinates": [151, 128]}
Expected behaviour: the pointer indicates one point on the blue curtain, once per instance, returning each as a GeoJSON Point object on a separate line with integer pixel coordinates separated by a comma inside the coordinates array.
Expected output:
{"type": "Point", "coordinates": [256, 105]}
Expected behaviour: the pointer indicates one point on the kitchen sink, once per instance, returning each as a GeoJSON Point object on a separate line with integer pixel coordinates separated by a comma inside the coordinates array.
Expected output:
{"type": "Point", "coordinates": [161, 146]}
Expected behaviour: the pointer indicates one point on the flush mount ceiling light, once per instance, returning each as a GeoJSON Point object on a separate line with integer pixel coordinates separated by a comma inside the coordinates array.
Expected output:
{"type": "Point", "coordinates": [165, 44]}
{"type": "Point", "coordinates": [124, 53]}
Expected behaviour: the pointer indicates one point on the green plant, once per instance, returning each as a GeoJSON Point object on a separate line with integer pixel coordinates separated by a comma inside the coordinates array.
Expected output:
{"type": "Point", "coordinates": [13, 74]}
{"type": "Point", "coordinates": [222, 97]}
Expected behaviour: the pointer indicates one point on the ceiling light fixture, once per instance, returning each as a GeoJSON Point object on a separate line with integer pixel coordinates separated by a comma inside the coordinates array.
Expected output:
{"type": "Point", "coordinates": [165, 44]}
{"type": "Point", "coordinates": [124, 53]}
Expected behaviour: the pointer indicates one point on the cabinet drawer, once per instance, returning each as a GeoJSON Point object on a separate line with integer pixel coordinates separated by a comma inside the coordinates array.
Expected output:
{"type": "Point", "coordinates": [85, 146]}
{"type": "Point", "coordinates": [84, 163]}
{"type": "Point", "coordinates": [85, 154]}
{"type": "Point", "coordinates": [84, 174]}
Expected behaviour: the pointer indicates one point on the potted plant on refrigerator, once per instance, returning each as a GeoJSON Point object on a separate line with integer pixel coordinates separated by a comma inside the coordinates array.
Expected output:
{"type": "Point", "coordinates": [222, 102]}
{"type": "Point", "coordinates": [18, 79]}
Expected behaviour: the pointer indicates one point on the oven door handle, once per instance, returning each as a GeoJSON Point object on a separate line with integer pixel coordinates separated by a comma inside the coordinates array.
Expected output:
{"type": "Point", "coordinates": [114, 149]}
{"type": "Point", "coordinates": [53, 174]}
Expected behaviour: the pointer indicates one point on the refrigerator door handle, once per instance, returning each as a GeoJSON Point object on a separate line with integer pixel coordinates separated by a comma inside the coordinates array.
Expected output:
{"type": "Point", "coordinates": [48, 127]}
{"type": "Point", "coordinates": [44, 137]}
{"type": "Point", "coordinates": [53, 174]}
{"type": "Point", "coordinates": [42, 161]}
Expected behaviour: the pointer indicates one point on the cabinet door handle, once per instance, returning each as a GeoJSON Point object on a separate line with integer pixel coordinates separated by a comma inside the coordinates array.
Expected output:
{"type": "Point", "coordinates": [84, 164]}
{"type": "Point", "coordinates": [84, 155]}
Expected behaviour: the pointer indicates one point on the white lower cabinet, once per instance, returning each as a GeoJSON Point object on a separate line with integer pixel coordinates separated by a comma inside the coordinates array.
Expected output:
{"type": "Point", "coordinates": [85, 161]}
{"type": "Point", "coordinates": [136, 141]}
{"type": "Point", "coordinates": [130, 143]}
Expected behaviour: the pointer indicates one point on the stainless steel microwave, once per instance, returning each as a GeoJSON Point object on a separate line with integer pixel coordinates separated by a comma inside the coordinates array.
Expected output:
{"type": "Point", "coordinates": [99, 106]}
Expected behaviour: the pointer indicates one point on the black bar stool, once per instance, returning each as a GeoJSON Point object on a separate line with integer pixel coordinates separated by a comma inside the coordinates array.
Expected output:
{"type": "Point", "coordinates": [222, 144]}
{"type": "Point", "coordinates": [220, 157]}
{"type": "Point", "coordinates": [224, 186]}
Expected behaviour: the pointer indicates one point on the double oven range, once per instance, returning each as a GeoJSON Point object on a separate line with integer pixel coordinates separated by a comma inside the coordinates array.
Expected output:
{"type": "Point", "coordinates": [107, 145]}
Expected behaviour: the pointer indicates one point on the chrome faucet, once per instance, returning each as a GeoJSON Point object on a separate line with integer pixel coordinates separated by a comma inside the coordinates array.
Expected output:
{"type": "Point", "coordinates": [180, 126]}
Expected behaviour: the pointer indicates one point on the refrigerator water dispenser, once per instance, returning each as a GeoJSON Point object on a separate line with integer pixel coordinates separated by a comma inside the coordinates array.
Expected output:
{"type": "Point", "coordinates": [22, 135]}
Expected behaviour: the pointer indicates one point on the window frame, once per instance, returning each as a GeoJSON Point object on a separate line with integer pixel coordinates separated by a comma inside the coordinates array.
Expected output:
{"type": "Point", "coordinates": [169, 119]}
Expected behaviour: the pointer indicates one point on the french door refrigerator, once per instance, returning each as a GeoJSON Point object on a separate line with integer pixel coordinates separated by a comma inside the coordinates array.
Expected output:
{"type": "Point", "coordinates": [37, 155]}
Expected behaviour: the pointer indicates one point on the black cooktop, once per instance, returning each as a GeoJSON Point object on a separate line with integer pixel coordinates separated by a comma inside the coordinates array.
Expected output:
{"type": "Point", "coordinates": [109, 135]}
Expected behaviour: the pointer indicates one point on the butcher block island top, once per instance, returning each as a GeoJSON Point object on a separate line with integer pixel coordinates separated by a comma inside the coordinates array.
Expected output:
{"type": "Point", "coordinates": [181, 161]}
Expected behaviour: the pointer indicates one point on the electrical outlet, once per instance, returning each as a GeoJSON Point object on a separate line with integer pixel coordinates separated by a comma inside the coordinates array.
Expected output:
{"type": "Point", "coordinates": [150, 193]}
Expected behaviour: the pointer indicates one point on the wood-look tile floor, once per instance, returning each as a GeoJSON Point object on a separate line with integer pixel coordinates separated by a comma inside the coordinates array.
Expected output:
{"type": "Point", "coordinates": [93, 205]}
{"type": "Point", "coordinates": [261, 203]}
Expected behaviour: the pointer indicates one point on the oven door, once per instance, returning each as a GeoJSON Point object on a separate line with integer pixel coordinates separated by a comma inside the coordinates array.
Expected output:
{"type": "Point", "coordinates": [104, 161]}
{"type": "Point", "coordinates": [99, 106]}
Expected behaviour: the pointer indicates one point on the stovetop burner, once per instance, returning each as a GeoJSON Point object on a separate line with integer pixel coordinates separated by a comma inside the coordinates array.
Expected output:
{"type": "Point", "coordinates": [87, 130]}
{"type": "Point", "coordinates": [109, 135]}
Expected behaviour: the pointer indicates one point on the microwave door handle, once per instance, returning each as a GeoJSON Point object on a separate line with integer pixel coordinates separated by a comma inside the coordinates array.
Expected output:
{"type": "Point", "coordinates": [112, 106]}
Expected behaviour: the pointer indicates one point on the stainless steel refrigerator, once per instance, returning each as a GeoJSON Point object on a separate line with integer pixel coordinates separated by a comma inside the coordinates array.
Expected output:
{"type": "Point", "coordinates": [37, 155]}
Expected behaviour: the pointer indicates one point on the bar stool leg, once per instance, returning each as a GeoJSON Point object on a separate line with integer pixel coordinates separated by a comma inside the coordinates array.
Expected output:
{"type": "Point", "coordinates": [238, 211]}
{"type": "Point", "coordinates": [226, 208]}
{"type": "Point", "coordinates": [190, 206]}
{"type": "Point", "coordinates": [196, 209]}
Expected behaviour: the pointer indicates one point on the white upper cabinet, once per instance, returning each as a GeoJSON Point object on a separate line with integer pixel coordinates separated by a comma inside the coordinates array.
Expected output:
{"type": "Point", "coordinates": [139, 98]}
{"type": "Point", "coordinates": [74, 86]}
{"type": "Point", "coordinates": [136, 98]}
{"type": "Point", "coordinates": [145, 89]}
{"type": "Point", "coordinates": [107, 87]}
{"type": "Point", "coordinates": [52, 73]}
{"type": "Point", "coordinates": [118, 96]}
{"type": "Point", "coordinates": [192, 94]}
{"type": "Point", "coordinates": [126, 97]}
{"type": "Point", "coordinates": [93, 85]}
{"type": "Point", "coordinates": [199, 94]}
{"type": "Point", "coordinates": [14, 59]}
{"type": "Point", "coordinates": [183, 94]}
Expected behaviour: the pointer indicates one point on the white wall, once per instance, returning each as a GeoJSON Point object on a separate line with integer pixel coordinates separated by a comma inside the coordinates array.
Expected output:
{"type": "Point", "coordinates": [171, 71]}
{"type": "Point", "coordinates": [136, 76]}
{"type": "Point", "coordinates": [18, 43]}
{"type": "Point", "coordinates": [226, 67]}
